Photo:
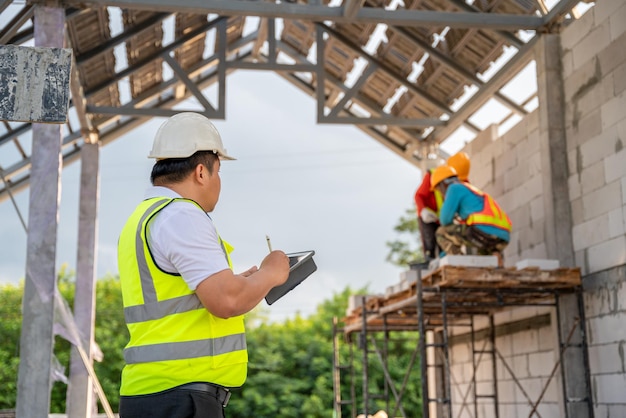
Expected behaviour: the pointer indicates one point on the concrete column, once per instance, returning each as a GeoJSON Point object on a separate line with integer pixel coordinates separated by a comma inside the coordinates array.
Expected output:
{"type": "Point", "coordinates": [80, 393]}
{"type": "Point", "coordinates": [557, 209]}
{"type": "Point", "coordinates": [36, 341]}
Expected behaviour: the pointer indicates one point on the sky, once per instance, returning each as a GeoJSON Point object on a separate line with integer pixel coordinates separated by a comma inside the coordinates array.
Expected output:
{"type": "Point", "coordinates": [327, 188]}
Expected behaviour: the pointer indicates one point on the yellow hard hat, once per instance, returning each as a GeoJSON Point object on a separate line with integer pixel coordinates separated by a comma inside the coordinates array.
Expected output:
{"type": "Point", "coordinates": [184, 134]}
{"type": "Point", "coordinates": [440, 174]}
{"type": "Point", "coordinates": [461, 163]}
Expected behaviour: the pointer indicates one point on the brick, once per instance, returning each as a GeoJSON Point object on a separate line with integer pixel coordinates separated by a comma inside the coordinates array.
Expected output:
{"type": "Point", "coordinates": [532, 387]}
{"type": "Point", "coordinates": [536, 209]}
{"type": "Point", "coordinates": [608, 358]}
{"type": "Point", "coordinates": [592, 177]}
{"type": "Point", "coordinates": [607, 254]}
{"type": "Point", "coordinates": [613, 55]}
{"type": "Point", "coordinates": [588, 126]}
{"type": "Point", "coordinates": [514, 177]}
{"type": "Point", "coordinates": [603, 10]}
{"type": "Point", "coordinates": [567, 60]}
{"type": "Point", "coordinates": [574, 33]}
{"type": "Point", "coordinates": [621, 296]}
{"type": "Point", "coordinates": [600, 411]}
{"type": "Point", "coordinates": [591, 232]}
{"type": "Point", "coordinates": [538, 251]}
{"type": "Point", "coordinates": [547, 338]}
{"type": "Point", "coordinates": [530, 189]}
{"type": "Point", "coordinates": [611, 388]}
{"type": "Point", "coordinates": [582, 80]}
{"type": "Point", "coordinates": [553, 391]}
{"type": "Point", "coordinates": [607, 329]}
{"type": "Point", "coordinates": [549, 410]}
{"type": "Point", "coordinates": [616, 223]}
{"type": "Point", "coordinates": [525, 342]}
{"type": "Point", "coordinates": [623, 187]}
{"type": "Point", "coordinates": [602, 200]}
{"type": "Point", "coordinates": [533, 235]}
{"type": "Point", "coordinates": [596, 40]}
{"type": "Point", "coordinates": [599, 302]}
{"type": "Point", "coordinates": [613, 111]}
{"type": "Point", "coordinates": [589, 100]}
{"type": "Point", "coordinates": [616, 410]}
{"type": "Point", "coordinates": [541, 363]}
{"type": "Point", "coordinates": [615, 165]}
{"type": "Point", "coordinates": [619, 81]}
{"type": "Point", "coordinates": [598, 147]}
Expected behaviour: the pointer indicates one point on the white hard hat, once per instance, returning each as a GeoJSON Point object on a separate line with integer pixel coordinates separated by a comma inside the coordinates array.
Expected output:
{"type": "Point", "coordinates": [185, 133]}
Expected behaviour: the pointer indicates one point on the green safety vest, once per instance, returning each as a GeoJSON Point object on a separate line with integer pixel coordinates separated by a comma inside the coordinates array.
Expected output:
{"type": "Point", "coordinates": [173, 338]}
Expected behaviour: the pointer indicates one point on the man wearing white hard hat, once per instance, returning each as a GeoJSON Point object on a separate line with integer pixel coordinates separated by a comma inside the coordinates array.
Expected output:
{"type": "Point", "coordinates": [183, 304]}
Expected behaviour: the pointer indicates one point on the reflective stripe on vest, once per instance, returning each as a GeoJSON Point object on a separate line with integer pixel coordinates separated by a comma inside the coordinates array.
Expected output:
{"type": "Point", "coordinates": [184, 350]}
{"type": "Point", "coordinates": [153, 309]}
{"type": "Point", "coordinates": [491, 214]}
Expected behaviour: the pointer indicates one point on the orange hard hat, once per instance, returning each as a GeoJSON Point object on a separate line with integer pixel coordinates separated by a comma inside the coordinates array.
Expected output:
{"type": "Point", "coordinates": [461, 163]}
{"type": "Point", "coordinates": [440, 174]}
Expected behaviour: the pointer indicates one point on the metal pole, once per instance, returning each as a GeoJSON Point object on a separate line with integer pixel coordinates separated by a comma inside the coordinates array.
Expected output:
{"type": "Point", "coordinates": [80, 399]}
{"type": "Point", "coordinates": [447, 396]}
{"type": "Point", "coordinates": [492, 338]}
{"type": "Point", "coordinates": [364, 348]}
{"type": "Point", "coordinates": [37, 340]}
{"type": "Point", "coordinates": [422, 346]}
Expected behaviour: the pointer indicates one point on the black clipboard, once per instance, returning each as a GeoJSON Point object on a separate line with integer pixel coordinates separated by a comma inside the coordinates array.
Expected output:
{"type": "Point", "coordinates": [301, 266]}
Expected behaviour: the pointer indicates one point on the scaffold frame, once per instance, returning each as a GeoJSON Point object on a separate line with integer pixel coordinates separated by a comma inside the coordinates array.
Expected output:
{"type": "Point", "coordinates": [432, 303]}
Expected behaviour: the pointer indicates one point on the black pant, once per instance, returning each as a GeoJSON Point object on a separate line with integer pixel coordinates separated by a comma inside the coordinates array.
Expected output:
{"type": "Point", "coordinates": [173, 403]}
{"type": "Point", "coordinates": [429, 243]}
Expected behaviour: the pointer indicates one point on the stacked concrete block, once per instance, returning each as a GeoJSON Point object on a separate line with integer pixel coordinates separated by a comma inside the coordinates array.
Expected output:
{"type": "Point", "coordinates": [594, 68]}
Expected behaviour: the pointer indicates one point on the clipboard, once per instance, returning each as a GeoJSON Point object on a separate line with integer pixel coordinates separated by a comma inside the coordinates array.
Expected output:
{"type": "Point", "coordinates": [301, 266]}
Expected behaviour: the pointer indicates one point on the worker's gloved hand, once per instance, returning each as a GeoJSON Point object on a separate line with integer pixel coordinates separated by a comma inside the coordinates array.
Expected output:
{"type": "Point", "coordinates": [429, 216]}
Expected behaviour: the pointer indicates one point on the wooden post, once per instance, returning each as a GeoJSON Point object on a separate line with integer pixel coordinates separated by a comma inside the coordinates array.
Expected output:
{"type": "Point", "coordinates": [80, 399]}
{"type": "Point", "coordinates": [36, 342]}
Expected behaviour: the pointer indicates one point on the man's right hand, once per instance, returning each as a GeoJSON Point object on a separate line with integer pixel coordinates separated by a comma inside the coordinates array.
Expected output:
{"type": "Point", "coordinates": [277, 263]}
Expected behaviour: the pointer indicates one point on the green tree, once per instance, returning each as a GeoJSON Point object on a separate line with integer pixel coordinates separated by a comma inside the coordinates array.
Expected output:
{"type": "Point", "coordinates": [407, 249]}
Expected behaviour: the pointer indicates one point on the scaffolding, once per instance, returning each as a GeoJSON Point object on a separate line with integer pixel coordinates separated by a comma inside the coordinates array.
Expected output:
{"type": "Point", "coordinates": [452, 304]}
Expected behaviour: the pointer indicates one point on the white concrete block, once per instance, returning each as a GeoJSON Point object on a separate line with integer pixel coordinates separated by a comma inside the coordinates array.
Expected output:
{"type": "Point", "coordinates": [596, 40]}
{"type": "Point", "coordinates": [545, 409]}
{"type": "Point", "coordinates": [610, 388]}
{"type": "Point", "coordinates": [469, 260]}
{"type": "Point", "coordinates": [607, 254]}
{"type": "Point", "coordinates": [409, 276]}
{"type": "Point", "coordinates": [617, 22]}
{"type": "Point", "coordinates": [616, 222]}
{"type": "Point", "coordinates": [606, 358]}
{"type": "Point", "coordinates": [519, 365]}
{"type": "Point", "coordinates": [592, 177]}
{"type": "Point", "coordinates": [591, 232]}
{"type": "Point", "coordinates": [542, 264]}
{"type": "Point", "coordinates": [615, 166]}
{"type": "Point", "coordinates": [599, 302]}
{"type": "Point", "coordinates": [603, 10]}
{"type": "Point", "coordinates": [616, 410]}
{"type": "Point", "coordinates": [526, 342]}
{"type": "Point", "coordinates": [602, 200]}
{"type": "Point", "coordinates": [540, 364]}
{"type": "Point", "coordinates": [612, 111]}
{"type": "Point", "coordinates": [506, 391]}
{"type": "Point", "coordinates": [598, 147]}
{"type": "Point", "coordinates": [573, 34]}
{"type": "Point", "coordinates": [607, 329]}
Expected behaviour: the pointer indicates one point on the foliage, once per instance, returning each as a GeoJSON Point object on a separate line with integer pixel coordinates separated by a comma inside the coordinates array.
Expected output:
{"type": "Point", "coordinates": [402, 252]}
{"type": "Point", "coordinates": [290, 369]}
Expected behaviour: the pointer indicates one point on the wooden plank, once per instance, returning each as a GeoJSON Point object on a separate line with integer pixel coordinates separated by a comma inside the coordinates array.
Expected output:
{"type": "Point", "coordinates": [34, 83]}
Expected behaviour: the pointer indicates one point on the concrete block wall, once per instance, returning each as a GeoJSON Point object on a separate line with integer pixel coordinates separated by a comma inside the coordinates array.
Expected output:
{"type": "Point", "coordinates": [524, 368]}
{"type": "Point", "coordinates": [511, 169]}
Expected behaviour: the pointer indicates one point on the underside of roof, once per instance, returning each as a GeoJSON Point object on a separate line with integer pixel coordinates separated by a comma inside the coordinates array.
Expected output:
{"type": "Point", "coordinates": [409, 74]}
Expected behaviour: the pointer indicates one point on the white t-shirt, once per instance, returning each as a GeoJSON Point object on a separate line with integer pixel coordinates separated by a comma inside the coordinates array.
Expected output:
{"type": "Point", "coordinates": [184, 240]}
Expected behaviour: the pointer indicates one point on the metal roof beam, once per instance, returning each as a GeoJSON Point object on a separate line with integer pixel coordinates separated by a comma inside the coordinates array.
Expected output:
{"type": "Point", "coordinates": [508, 71]}
{"type": "Point", "coordinates": [336, 14]}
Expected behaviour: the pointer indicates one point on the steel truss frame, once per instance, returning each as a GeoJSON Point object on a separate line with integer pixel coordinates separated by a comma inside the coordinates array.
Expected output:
{"type": "Point", "coordinates": [106, 123]}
